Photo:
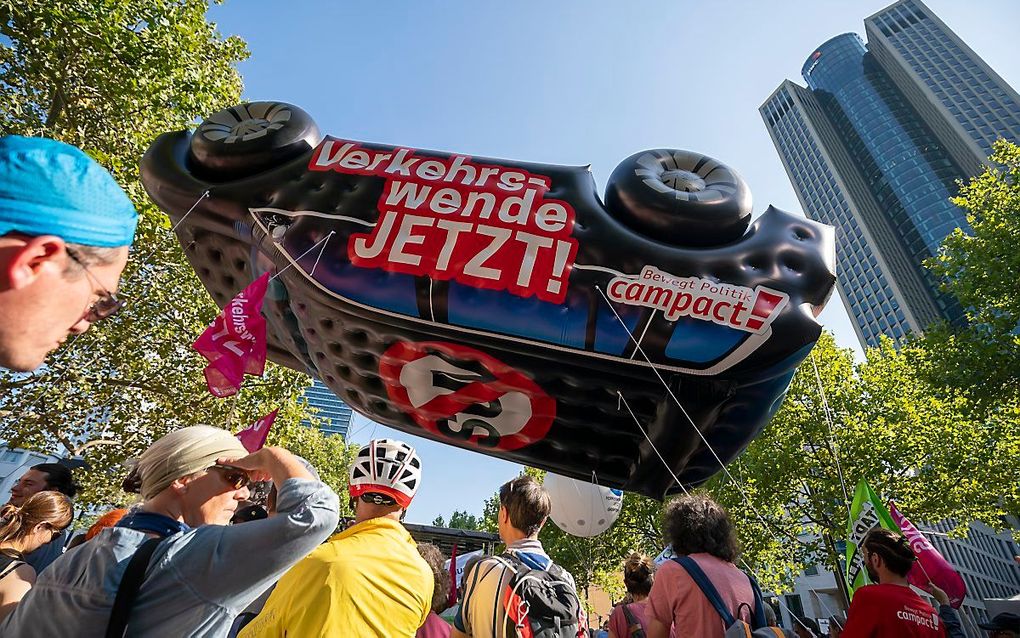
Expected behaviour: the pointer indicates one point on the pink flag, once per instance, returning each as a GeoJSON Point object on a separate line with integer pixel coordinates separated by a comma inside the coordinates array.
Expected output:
{"type": "Point", "coordinates": [254, 436]}
{"type": "Point", "coordinates": [452, 600]}
{"type": "Point", "coordinates": [930, 565]}
{"type": "Point", "coordinates": [235, 343]}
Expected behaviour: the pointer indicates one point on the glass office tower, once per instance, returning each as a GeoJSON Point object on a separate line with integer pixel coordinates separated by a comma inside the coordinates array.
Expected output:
{"type": "Point", "coordinates": [871, 148]}
{"type": "Point", "coordinates": [335, 413]}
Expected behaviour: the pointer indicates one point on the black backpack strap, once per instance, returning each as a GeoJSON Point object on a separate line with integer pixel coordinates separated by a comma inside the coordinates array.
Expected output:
{"type": "Point", "coordinates": [11, 566]}
{"type": "Point", "coordinates": [759, 605]}
{"type": "Point", "coordinates": [633, 625]}
{"type": "Point", "coordinates": [705, 585]}
{"type": "Point", "coordinates": [127, 591]}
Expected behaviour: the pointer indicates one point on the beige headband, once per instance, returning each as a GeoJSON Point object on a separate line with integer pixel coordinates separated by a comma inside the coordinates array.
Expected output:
{"type": "Point", "coordinates": [183, 452]}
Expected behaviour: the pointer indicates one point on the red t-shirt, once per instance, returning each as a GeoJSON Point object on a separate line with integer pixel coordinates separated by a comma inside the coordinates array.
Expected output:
{"type": "Point", "coordinates": [891, 611]}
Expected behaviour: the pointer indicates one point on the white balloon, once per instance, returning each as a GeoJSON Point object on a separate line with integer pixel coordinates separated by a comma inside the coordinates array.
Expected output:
{"type": "Point", "coordinates": [582, 508]}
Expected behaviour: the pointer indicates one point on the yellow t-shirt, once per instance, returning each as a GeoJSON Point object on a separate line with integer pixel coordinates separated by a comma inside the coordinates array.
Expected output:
{"type": "Point", "coordinates": [366, 581]}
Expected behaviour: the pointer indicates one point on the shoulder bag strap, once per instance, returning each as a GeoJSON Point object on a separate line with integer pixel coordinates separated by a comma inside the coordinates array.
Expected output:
{"type": "Point", "coordinates": [11, 566]}
{"type": "Point", "coordinates": [634, 627]}
{"type": "Point", "coordinates": [127, 591]}
{"type": "Point", "coordinates": [759, 605]}
{"type": "Point", "coordinates": [706, 586]}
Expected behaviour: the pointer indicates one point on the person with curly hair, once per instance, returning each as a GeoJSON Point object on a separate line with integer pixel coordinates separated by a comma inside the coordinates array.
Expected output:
{"type": "Point", "coordinates": [436, 627]}
{"type": "Point", "coordinates": [699, 528]}
{"type": "Point", "coordinates": [23, 529]}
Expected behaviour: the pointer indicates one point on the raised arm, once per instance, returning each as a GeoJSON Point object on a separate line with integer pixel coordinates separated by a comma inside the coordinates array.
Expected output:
{"type": "Point", "coordinates": [233, 564]}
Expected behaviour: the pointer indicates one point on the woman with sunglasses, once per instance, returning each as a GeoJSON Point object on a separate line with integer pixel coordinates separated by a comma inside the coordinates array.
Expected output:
{"type": "Point", "coordinates": [201, 571]}
{"type": "Point", "coordinates": [24, 529]}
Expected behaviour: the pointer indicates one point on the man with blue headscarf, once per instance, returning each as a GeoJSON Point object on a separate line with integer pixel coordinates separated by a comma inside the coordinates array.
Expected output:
{"type": "Point", "coordinates": [65, 228]}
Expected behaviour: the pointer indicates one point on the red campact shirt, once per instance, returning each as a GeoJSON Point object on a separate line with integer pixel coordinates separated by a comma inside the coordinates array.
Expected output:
{"type": "Point", "coordinates": [891, 611]}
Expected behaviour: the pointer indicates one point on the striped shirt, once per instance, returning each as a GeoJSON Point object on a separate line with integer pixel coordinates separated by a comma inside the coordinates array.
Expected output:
{"type": "Point", "coordinates": [481, 613]}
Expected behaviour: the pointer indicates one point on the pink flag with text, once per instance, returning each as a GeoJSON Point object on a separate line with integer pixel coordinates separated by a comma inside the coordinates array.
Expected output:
{"type": "Point", "coordinates": [254, 436]}
{"type": "Point", "coordinates": [930, 565]}
{"type": "Point", "coordinates": [235, 343]}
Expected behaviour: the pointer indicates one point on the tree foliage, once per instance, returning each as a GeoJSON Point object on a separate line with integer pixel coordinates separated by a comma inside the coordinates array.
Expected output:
{"type": "Point", "coordinates": [109, 77]}
{"type": "Point", "coordinates": [981, 267]}
{"type": "Point", "coordinates": [885, 424]}
{"type": "Point", "coordinates": [933, 424]}
{"type": "Point", "coordinates": [460, 519]}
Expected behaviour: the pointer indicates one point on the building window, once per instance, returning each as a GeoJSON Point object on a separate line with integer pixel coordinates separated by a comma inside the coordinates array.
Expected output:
{"type": "Point", "coordinates": [794, 604]}
{"type": "Point", "coordinates": [9, 456]}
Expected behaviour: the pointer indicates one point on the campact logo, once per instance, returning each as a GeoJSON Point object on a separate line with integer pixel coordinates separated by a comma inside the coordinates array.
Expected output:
{"type": "Point", "coordinates": [724, 304]}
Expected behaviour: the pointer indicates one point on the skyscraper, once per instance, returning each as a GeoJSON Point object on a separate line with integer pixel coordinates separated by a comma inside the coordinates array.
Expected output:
{"type": "Point", "coordinates": [874, 146]}
{"type": "Point", "coordinates": [335, 413]}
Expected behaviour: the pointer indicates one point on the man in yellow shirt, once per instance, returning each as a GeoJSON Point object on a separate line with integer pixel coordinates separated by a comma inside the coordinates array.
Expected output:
{"type": "Point", "coordinates": [368, 580]}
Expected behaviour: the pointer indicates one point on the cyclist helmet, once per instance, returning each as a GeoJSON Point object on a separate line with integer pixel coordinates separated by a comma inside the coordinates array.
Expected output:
{"type": "Point", "coordinates": [388, 468]}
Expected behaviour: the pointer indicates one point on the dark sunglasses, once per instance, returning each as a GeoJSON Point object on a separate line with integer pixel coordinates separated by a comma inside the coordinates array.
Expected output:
{"type": "Point", "coordinates": [234, 476]}
{"type": "Point", "coordinates": [107, 305]}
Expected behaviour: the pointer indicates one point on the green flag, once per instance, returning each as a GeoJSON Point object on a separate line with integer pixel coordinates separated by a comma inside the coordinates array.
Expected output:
{"type": "Point", "coordinates": [866, 512]}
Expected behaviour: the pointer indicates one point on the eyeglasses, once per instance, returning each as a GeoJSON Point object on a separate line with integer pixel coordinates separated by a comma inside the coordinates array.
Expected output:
{"type": "Point", "coordinates": [234, 476]}
{"type": "Point", "coordinates": [107, 305]}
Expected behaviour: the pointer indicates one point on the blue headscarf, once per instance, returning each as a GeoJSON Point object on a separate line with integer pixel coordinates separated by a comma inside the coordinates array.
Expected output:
{"type": "Point", "coordinates": [51, 188]}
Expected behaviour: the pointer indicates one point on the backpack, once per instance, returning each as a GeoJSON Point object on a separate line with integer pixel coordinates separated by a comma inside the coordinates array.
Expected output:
{"type": "Point", "coordinates": [541, 603]}
{"type": "Point", "coordinates": [735, 627]}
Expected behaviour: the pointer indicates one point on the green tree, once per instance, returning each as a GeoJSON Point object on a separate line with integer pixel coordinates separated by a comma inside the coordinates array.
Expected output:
{"type": "Point", "coordinates": [460, 519]}
{"type": "Point", "coordinates": [109, 77]}
{"type": "Point", "coordinates": [981, 267]}
{"type": "Point", "coordinates": [881, 421]}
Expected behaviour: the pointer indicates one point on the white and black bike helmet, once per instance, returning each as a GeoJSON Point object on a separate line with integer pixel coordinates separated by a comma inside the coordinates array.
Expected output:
{"type": "Point", "coordinates": [386, 467]}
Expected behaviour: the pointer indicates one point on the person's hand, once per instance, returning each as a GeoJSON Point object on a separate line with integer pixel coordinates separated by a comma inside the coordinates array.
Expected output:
{"type": "Point", "coordinates": [939, 595]}
{"type": "Point", "coordinates": [258, 464]}
{"type": "Point", "coordinates": [274, 464]}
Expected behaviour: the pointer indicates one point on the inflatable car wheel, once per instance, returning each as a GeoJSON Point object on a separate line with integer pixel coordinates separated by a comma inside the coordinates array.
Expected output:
{"type": "Point", "coordinates": [679, 197]}
{"type": "Point", "coordinates": [249, 138]}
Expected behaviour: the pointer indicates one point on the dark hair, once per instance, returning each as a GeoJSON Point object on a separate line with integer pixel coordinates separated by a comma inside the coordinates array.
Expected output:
{"type": "Point", "coordinates": [638, 574]}
{"type": "Point", "coordinates": [434, 557]}
{"type": "Point", "coordinates": [88, 256]}
{"type": "Point", "coordinates": [696, 523]}
{"type": "Point", "coordinates": [806, 623]}
{"type": "Point", "coordinates": [526, 502]}
{"type": "Point", "coordinates": [892, 547]}
{"type": "Point", "coordinates": [58, 478]}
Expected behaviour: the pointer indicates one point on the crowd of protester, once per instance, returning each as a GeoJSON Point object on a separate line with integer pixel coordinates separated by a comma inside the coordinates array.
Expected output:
{"type": "Point", "coordinates": [198, 556]}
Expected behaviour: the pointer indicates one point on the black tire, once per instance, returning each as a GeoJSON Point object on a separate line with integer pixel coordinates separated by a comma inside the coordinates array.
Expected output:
{"type": "Point", "coordinates": [249, 138]}
{"type": "Point", "coordinates": [680, 198]}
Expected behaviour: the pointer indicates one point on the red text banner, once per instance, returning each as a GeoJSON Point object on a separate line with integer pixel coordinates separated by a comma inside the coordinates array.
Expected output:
{"type": "Point", "coordinates": [481, 225]}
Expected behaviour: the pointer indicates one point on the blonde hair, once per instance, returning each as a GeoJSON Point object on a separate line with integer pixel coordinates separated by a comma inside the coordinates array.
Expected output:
{"type": "Point", "coordinates": [182, 453]}
{"type": "Point", "coordinates": [49, 508]}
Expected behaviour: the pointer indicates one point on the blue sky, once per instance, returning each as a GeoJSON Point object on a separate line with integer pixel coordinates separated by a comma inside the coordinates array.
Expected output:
{"type": "Point", "coordinates": [560, 82]}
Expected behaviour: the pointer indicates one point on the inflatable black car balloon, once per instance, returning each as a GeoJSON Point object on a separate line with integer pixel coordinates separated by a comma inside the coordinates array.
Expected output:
{"type": "Point", "coordinates": [497, 305]}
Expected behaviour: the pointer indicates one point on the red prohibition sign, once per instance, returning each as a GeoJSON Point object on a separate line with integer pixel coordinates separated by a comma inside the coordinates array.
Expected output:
{"type": "Point", "coordinates": [463, 394]}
